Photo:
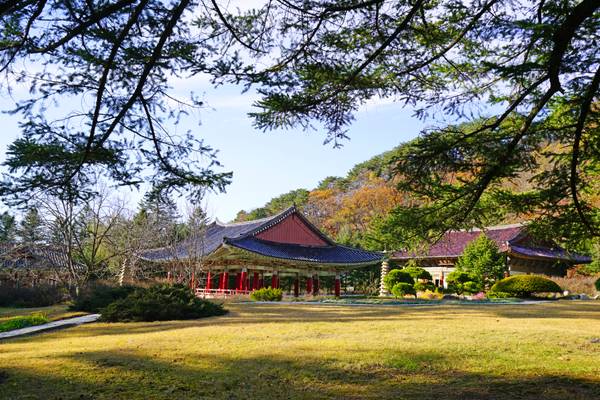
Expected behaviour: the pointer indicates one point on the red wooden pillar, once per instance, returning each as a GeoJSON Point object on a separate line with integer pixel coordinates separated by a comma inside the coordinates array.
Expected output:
{"type": "Point", "coordinates": [296, 286]}
{"type": "Point", "coordinates": [225, 281]}
{"type": "Point", "coordinates": [337, 285]}
{"type": "Point", "coordinates": [274, 280]}
{"type": "Point", "coordinates": [242, 283]}
{"type": "Point", "coordinates": [316, 284]}
{"type": "Point", "coordinates": [208, 280]}
{"type": "Point", "coordinates": [255, 282]}
{"type": "Point", "coordinates": [442, 279]}
{"type": "Point", "coordinates": [309, 284]}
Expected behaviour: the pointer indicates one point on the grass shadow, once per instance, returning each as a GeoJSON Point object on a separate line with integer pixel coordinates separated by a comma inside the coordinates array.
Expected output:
{"type": "Point", "coordinates": [402, 376]}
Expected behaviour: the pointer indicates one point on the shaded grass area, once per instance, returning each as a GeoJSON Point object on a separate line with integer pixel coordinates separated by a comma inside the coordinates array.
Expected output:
{"type": "Point", "coordinates": [327, 352]}
{"type": "Point", "coordinates": [53, 313]}
{"type": "Point", "coordinates": [19, 322]}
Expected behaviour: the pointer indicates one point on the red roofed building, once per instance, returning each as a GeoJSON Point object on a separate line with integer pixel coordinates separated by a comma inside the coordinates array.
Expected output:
{"type": "Point", "coordinates": [524, 255]}
{"type": "Point", "coordinates": [258, 253]}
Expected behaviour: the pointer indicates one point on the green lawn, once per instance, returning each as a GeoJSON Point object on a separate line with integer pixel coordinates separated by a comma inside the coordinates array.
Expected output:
{"type": "Point", "coordinates": [54, 313]}
{"type": "Point", "coordinates": [542, 351]}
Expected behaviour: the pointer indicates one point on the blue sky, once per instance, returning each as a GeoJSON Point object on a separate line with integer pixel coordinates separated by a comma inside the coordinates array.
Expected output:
{"type": "Point", "coordinates": [266, 164]}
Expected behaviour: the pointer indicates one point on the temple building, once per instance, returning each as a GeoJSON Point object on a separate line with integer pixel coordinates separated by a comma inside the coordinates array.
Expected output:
{"type": "Point", "coordinates": [240, 257]}
{"type": "Point", "coordinates": [524, 254]}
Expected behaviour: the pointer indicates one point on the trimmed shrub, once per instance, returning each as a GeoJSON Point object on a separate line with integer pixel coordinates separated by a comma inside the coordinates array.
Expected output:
{"type": "Point", "coordinates": [457, 276]}
{"type": "Point", "coordinates": [471, 287]}
{"type": "Point", "coordinates": [22, 322]}
{"type": "Point", "coordinates": [160, 303]}
{"type": "Point", "coordinates": [460, 282]}
{"type": "Point", "coordinates": [396, 276]}
{"type": "Point", "coordinates": [422, 287]}
{"type": "Point", "coordinates": [597, 284]}
{"type": "Point", "coordinates": [267, 294]}
{"type": "Point", "coordinates": [96, 296]}
{"type": "Point", "coordinates": [37, 296]}
{"type": "Point", "coordinates": [526, 285]}
{"type": "Point", "coordinates": [402, 289]}
{"type": "Point", "coordinates": [417, 273]}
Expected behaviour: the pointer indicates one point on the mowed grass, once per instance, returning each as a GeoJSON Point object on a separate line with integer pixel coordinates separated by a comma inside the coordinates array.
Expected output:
{"type": "Point", "coordinates": [540, 351]}
{"type": "Point", "coordinates": [53, 313]}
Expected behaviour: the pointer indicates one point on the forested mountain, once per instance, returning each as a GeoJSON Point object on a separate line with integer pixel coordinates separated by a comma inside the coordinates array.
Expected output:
{"type": "Point", "coordinates": [344, 207]}
{"type": "Point", "coordinates": [353, 208]}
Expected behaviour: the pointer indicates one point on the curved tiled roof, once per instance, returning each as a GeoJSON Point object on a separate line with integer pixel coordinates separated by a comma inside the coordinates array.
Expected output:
{"type": "Point", "coordinates": [509, 238]}
{"type": "Point", "coordinates": [334, 254]}
{"type": "Point", "coordinates": [453, 243]}
{"type": "Point", "coordinates": [212, 239]}
{"type": "Point", "coordinates": [243, 236]}
{"type": "Point", "coordinates": [30, 256]}
{"type": "Point", "coordinates": [554, 254]}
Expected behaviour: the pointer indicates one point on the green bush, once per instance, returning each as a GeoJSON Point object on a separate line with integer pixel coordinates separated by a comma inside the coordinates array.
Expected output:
{"type": "Point", "coordinates": [37, 296]}
{"type": "Point", "coordinates": [267, 294]}
{"type": "Point", "coordinates": [498, 295]}
{"type": "Point", "coordinates": [482, 260]}
{"type": "Point", "coordinates": [525, 285]}
{"type": "Point", "coordinates": [597, 284]}
{"type": "Point", "coordinates": [417, 273]}
{"type": "Point", "coordinates": [471, 287]}
{"type": "Point", "coordinates": [396, 276]}
{"type": "Point", "coordinates": [460, 282]}
{"type": "Point", "coordinates": [422, 287]}
{"type": "Point", "coordinates": [402, 289]}
{"type": "Point", "coordinates": [457, 276]}
{"type": "Point", "coordinates": [160, 303]}
{"type": "Point", "coordinates": [96, 296]}
{"type": "Point", "coordinates": [22, 322]}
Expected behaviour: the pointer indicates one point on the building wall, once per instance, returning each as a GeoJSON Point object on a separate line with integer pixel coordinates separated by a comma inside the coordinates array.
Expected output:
{"type": "Point", "coordinates": [292, 230]}
{"type": "Point", "coordinates": [440, 273]}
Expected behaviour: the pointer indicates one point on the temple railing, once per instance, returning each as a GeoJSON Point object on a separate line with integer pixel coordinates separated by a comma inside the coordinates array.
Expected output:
{"type": "Point", "coordinates": [220, 292]}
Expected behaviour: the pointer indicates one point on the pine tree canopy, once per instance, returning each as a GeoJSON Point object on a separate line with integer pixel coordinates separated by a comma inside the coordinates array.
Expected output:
{"type": "Point", "coordinates": [524, 76]}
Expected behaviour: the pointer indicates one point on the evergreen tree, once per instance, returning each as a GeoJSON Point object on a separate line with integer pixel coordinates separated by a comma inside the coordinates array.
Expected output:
{"type": "Point", "coordinates": [7, 227]}
{"type": "Point", "coordinates": [483, 261]}
{"type": "Point", "coordinates": [31, 228]}
{"type": "Point", "coordinates": [158, 211]}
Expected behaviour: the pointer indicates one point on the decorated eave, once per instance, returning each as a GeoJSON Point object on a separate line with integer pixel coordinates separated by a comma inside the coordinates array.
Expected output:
{"type": "Point", "coordinates": [511, 239]}
{"type": "Point", "coordinates": [286, 240]}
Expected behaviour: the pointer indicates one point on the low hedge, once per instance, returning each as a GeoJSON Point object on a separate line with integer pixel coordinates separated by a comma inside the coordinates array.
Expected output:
{"type": "Point", "coordinates": [37, 296]}
{"type": "Point", "coordinates": [267, 294]}
{"type": "Point", "coordinates": [402, 289]}
{"type": "Point", "coordinates": [525, 285]}
{"type": "Point", "coordinates": [160, 303]}
{"type": "Point", "coordinates": [96, 296]}
{"type": "Point", "coordinates": [22, 322]}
